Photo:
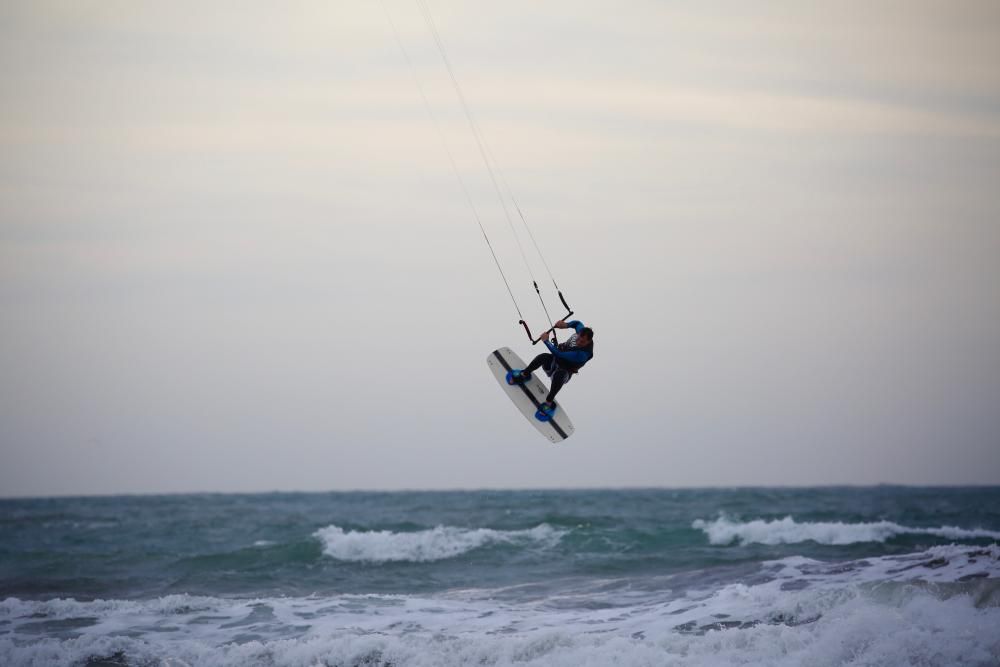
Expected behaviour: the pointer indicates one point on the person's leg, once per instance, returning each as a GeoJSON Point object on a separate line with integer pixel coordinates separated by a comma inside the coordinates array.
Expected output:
{"type": "Point", "coordinates": [558, 380]}
{"type": "Point", "coordinates": [536, 363]}
{"type": "Point", "coordinates": [521, 375]}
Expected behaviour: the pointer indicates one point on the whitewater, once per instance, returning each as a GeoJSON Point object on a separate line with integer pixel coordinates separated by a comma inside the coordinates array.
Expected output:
{"type": "Point", "coordinates": [877, 576]}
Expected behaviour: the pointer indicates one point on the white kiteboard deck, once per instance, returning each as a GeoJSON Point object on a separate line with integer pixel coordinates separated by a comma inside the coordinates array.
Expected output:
{"type": "Point", "coordinates": [529, 396]}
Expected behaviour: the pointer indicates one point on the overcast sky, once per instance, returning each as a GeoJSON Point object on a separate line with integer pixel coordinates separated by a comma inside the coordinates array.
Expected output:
{"type": "Point", "coordinates": [234, 255]}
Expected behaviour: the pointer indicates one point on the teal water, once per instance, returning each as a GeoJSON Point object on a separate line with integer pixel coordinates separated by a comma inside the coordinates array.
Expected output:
{"type": "Point", "coordinates": [672, 564]}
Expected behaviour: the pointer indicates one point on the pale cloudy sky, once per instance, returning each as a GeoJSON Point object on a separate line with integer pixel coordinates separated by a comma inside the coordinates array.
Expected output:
{"type": "Point", "coordinates": [234, 256]}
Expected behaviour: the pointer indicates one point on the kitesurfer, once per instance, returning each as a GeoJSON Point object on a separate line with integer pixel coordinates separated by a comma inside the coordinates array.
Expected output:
{"type": "Point", "coordinates": [562, 361]}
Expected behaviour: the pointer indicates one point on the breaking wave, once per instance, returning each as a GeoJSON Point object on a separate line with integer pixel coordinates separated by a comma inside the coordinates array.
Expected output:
{"type": "Point", "coordinates": [802, 612]}
{"type": "Point", "coordinates": [789, 531]}
{"type": "Point", "coordinates": [440, 543]}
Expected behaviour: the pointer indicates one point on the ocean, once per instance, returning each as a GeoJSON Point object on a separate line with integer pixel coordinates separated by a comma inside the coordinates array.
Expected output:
{"type": "Point", "coordinates": [881, 576]}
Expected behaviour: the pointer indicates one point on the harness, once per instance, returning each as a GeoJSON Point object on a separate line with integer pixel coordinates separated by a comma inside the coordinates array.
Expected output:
{"type": "Point", "coordinates": [570, 366]}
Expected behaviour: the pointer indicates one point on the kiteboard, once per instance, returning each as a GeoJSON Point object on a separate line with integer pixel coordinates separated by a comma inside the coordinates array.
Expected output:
{"type": "Point", "coordinates": [529, 396]}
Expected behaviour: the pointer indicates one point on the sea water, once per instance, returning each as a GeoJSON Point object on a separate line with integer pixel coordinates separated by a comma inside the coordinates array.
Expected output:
{"type": "Point", "coordinates": [831, 576]}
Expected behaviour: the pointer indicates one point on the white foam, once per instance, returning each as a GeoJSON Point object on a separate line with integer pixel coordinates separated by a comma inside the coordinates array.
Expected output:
{"type": "Point", "coordinates": [837, 618]}
{"type": "Point", "coordinates": [426, 545]}
{"type": "Point", "coordinates": [788, 531]}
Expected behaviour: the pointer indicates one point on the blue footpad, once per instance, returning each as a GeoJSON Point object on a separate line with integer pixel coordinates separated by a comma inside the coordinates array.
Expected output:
{"type": "Point", "coordinates": [520, 379]}
{"type": "Point", "coordinates": [545, 413]}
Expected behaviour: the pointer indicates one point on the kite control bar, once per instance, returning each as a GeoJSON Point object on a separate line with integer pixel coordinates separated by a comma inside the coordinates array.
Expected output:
{"type": "Point", "coordinates": [535, 341]}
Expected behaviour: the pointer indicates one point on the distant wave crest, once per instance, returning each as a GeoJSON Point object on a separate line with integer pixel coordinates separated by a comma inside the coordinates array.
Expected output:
{"type": "Point", "coordinates": [442, 542]}
{"type": "Point", "coordinates": [789, 531]}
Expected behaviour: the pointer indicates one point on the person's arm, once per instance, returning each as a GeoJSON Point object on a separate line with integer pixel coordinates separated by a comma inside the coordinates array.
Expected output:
{"type": "Point", "coordinates": [576, 325]}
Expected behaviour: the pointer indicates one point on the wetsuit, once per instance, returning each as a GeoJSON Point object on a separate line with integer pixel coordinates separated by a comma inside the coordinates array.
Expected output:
{"type": "Point", "coordinates": [562, 360]}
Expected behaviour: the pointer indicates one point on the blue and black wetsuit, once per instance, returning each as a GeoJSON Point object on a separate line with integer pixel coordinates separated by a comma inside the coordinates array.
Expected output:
{"type": "Point", "coordinates": [563, 360]}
